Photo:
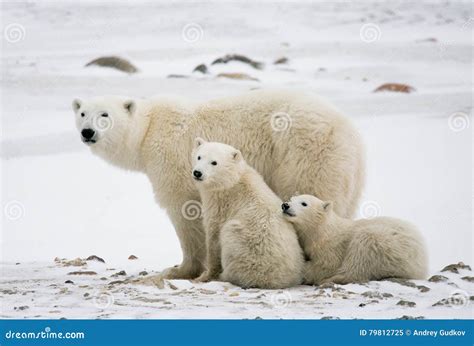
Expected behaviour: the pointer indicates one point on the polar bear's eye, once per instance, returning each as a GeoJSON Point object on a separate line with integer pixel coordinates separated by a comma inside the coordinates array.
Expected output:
{"type": "Point", "coordinates": [105, 115]}
{"type": "Point", "coordinates": [304, 204]}
{"type": "Point", "coordinates": [83, 115]}
{"type": "Point", "coordinates": [199, 157]}
{"type": "Point", "coordinates": [214, 163]}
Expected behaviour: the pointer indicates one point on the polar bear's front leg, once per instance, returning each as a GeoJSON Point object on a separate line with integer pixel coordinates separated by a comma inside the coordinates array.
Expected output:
{"type": "Point", "coordinates": [193, 244]}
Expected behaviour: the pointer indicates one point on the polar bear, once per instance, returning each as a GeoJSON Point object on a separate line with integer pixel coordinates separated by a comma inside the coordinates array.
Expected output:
{"type": "Point", "coordinates": [298, 143]}
{"type": "Point", "coordinates": [343, 251]}
{"type": "Point", "coordinates": [247, 237]}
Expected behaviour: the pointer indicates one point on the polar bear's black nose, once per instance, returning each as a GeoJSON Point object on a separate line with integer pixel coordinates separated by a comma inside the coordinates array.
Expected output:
{"type": "Point", "coordinates": [197, 173]}
{"type": "Point", "coordinates": [87, 133]}
{"type": "Point", "coordinates": [285, 206]}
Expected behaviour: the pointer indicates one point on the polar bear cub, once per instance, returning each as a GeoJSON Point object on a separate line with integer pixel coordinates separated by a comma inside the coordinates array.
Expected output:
{"type": "Point", "coordinates": [248, 240]}
{"type": "Point", "coordinates": [343, 251]}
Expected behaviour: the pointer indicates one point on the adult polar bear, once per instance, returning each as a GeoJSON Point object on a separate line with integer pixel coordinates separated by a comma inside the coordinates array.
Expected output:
{"type": "Point", "coordinates": [298, 143]}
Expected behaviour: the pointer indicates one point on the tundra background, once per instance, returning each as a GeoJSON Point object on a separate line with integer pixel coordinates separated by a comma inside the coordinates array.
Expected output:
{"type": "Point", "coordinates": [58, 200]}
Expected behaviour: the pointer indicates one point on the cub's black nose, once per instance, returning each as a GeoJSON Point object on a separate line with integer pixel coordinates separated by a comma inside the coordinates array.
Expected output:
{"type": "Point", "coordinates": [285, 206]}
{"type": "Point", "coordinates": [197, 174]}
{"type": "Point", "coordinates": [87, 133]}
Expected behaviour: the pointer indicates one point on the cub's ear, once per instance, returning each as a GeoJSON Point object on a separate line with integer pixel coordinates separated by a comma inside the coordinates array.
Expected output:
{"type": "Point", "coordinates": [237, 155]}
{"type": "Point", "coordinates": [327, 206]}
{"type": "Point", "coordinates": [76, 104]}
{"type": "Point", "coordinates": [198, 141]}
{"type": "Point", "coordinates": [130, 106]}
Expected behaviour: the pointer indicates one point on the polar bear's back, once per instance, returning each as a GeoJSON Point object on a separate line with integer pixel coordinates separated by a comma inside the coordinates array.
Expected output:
{"type": "Point", "coordinates": [395, 246]}
{"type": "Point", "coordinates": [270, 110]}
{"type": "Point", "coordinates": [272, 100]}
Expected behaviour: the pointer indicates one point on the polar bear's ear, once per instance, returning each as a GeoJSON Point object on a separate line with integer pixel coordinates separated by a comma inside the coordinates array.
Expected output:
{"type": "Point", "coordinates": [198, 141]}
{"type": "Point", "coordinates": [327, 206]}
{"type": "Point", "coordinates": [130, 106]}
{"type": "Point", "coordinates": [237, 155]}
{"type": "Point", "coordinates": [76, 104]}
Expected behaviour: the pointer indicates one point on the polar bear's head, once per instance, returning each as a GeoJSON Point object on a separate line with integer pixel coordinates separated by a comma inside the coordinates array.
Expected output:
{"type": "Point", "coordinates": [107, 124]}
{"type": "Point", "coordinates": [307, 209]}
{"type": "Point", "coordinates": [216, 166]}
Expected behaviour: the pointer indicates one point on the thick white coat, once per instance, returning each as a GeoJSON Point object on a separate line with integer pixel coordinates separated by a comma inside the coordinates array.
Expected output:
{"type": "Point", "coordinates": [298, 143]}
{"type": "Point", "coordinates": [344, 251]}
{"type": "Point", "coordinates": [248, 239]}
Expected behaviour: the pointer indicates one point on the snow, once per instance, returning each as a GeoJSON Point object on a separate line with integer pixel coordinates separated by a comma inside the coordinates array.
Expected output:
{"type": "Point", "coordinates": [40, 290]}
{"type": "Point", "coordinates": [58, 200]}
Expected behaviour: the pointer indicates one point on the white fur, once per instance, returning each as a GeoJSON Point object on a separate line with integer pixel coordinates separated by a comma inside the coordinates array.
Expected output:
{"type": "Point", "coordinates": [343, 251]}
{"type": "Point", "coordinates": [319, 153]}
{"type": "Point", "coordinates": [248, 239]}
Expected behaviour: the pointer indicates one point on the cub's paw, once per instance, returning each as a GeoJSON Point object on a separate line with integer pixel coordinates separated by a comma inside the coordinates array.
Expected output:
{"type": "Point", "coordinates": [339, 279]}
{"type": "Point", "coordinates": [206, 277]}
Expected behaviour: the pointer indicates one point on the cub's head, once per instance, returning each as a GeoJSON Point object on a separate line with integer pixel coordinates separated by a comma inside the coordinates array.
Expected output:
{"type": "Point", "coordinates": [216, 166]}
{"type": "Point", "coordinates": [307, 209]}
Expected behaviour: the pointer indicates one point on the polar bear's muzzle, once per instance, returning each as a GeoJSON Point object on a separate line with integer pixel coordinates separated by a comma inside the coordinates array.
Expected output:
{"type": "Point", "coordinates": [89, 136]}
{"type": "Point", "coordinates": [197, 175]}
{"type": "Point", "coordinates": [286, 208]}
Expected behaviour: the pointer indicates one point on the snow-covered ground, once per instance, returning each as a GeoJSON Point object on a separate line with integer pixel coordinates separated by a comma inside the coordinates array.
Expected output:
{"type": "Point", "coordinates": [39, 290]}
{"type": "Point", "coordinates": [60, 201]}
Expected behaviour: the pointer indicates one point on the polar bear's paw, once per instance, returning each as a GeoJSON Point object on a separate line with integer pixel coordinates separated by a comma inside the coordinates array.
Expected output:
{"type": "Point", "coordinates": [206, 276]}
{"type": "Point", "coordinates": [180, 273]}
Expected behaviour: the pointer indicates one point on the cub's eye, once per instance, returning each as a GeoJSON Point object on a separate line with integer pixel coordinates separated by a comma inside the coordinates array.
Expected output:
{"type": "Point", "coordinates": [214, 163]}
{"type": "Point", "coordinates": [199, 157]}
{"type": "Point", "coordinates": [105, 115]}
{"type": "Point", "coordinates": [304, 204]}
{"type": "Point", "coordinates": [83, 115]}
